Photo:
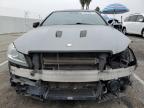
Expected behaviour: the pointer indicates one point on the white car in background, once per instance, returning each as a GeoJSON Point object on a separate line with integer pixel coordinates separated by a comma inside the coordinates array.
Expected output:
{"type": "Point", "coordinates": [134, 24]}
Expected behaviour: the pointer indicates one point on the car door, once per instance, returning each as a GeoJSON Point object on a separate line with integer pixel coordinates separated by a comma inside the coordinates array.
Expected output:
{"type": "Point", "coordinates": [127, 24]}
{"type": "Point", "coordinates": [139, 24]}
{"type": "Point", "coordinates": [132, 24]}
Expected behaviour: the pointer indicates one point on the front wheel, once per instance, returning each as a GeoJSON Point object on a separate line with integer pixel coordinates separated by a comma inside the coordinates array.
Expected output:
{"type": "Point", "coordinates": [142, 33]}
{"type": "Point", "coordinates": [124, 31]}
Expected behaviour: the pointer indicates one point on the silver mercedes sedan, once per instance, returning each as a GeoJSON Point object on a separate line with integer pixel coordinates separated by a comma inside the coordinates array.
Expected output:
{"type": "Point", "coordinates": [71, 55]}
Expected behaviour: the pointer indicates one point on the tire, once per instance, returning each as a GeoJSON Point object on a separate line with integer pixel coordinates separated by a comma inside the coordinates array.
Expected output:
{"type": "Point", "coordinates": [124, 31]}
{"type": "Point", "coordinates": [142, 33]}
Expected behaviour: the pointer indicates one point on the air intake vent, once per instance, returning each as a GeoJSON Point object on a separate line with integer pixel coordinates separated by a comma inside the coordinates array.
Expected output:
{"type": "Point", "coordinates": [58, 34]}
{"type": "Point", "coordinates": [83, 33]}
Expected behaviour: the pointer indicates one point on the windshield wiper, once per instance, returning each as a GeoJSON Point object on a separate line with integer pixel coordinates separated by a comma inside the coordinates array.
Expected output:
{"type": "Point", "coordinates": [79, 23]}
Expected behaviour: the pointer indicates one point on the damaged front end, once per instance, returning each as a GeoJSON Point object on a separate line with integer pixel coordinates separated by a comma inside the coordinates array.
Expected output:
{"type": "Point", "coordinates": [73, 75]}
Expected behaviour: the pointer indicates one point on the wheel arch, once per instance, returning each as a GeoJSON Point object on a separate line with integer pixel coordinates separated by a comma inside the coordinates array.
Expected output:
{"type": "Point", "coordinates": [124, 27]}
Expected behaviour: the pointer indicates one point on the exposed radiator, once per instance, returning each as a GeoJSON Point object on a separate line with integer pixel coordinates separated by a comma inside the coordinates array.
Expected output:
{"type": "Point", "coordinates": [70, 61]}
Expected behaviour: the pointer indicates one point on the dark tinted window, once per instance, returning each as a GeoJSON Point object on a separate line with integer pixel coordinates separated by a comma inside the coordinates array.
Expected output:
{"type": "Point", "coordinates": [140, 18]}
{"type": "Point", "coordinates": [133, 18]}
{"type": "Point", "coordinates": [72, 18]}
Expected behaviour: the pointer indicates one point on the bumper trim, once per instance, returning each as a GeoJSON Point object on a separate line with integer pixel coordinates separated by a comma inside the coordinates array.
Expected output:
{"type": "Point", "coordinates": [73, 76]}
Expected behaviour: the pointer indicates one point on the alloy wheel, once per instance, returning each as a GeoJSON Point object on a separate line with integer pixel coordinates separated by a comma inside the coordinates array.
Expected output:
{"type": "Point", "coordinates": [124, 31]}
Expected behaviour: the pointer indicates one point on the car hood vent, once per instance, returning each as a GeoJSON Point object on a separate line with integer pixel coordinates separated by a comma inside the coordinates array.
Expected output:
{"type": "Point", "coordinates": [83, 33]}
{"type": "Point", "coordinates": [58, 34]}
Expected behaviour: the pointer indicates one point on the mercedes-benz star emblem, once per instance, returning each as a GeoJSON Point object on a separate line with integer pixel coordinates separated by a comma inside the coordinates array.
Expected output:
{"type": "Point", "coordinates": [69, 45]}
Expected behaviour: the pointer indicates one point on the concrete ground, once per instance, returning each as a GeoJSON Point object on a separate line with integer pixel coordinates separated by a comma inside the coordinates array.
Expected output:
{"type": "Point", "coordinates": [9, 99]}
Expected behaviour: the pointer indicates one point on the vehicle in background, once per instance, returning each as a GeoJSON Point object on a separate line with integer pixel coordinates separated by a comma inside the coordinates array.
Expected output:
{"type": "Point", "coordinates": [71, 55]}
{"type": "Point", "coordinates": [134, 24]}
{"type": "Point", "coordinates": [113, 22]}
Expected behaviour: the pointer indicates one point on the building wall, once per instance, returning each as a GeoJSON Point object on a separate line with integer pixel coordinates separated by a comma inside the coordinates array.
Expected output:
{"type": "Point", "coordinates": [15, 24]}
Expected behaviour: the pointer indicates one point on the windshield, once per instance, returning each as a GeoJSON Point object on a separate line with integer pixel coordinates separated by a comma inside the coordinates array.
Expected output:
{"type": "Point", "coordinates": [74, 18]}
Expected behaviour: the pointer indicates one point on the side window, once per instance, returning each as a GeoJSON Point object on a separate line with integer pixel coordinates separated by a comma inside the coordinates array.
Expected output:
{"type": "Point", "coordinates": [126, 19]}
{"type": "Point", "coordinates": [133, 18]}
{"type": "Point", "coordinates": [140, 18]}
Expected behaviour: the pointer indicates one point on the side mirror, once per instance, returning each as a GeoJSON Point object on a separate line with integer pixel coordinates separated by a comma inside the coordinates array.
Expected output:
{"type": "Point", "coordinates": [36, 24]}
{"type": "Point", "coordinates": [109, 22]}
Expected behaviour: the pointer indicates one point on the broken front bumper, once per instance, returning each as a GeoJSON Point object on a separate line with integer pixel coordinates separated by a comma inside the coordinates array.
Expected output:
{"type": "Point", "coordinates": [35, 86]}
{"type": "Point", "coordinates": [38, 91]}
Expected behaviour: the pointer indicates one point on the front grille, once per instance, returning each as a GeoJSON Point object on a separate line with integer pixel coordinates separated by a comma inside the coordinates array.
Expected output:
{"type": "Point", "coordinates": [70, 61]}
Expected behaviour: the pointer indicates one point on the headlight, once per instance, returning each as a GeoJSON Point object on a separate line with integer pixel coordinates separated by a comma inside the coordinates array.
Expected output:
{"type": "Point", "coordinates": [15, 57]}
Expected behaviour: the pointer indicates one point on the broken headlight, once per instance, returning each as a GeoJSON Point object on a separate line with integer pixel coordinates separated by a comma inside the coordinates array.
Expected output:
{"type": "Point", "coordinates": [123, 59]}
{"type": "Point", "coordinates": [16, 57]}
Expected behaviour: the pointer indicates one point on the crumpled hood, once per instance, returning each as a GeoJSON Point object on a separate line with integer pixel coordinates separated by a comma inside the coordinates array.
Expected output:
{"type": "Point", "coordinates": [98, 38]}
